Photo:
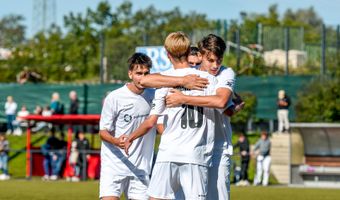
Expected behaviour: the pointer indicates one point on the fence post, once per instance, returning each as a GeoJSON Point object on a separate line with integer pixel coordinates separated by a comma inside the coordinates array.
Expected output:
{"type": "Point", "coordinates": [238, 52]}
{"type": "Point", "coordinates": [86, 89]}
{"type": "Point", "coordinates": [287, 50]}
{"type": "Point", "coordinates": [218, 27]}
{"type": "Point", "coordinates": [102, 55]}
{"type": "Point", "coordinates": [84, 169]}
{"type": "Point", "coordinates": [323, 50]}
{"type": "Point", "coordinates": [259, 34]}
{"type": "Point", "coordinates": [225, 29]}
{"type": "Point", "coordinates": [86, 102]}
{"type": "Point", "coordinates": [338, 44]}
{"type": "Point", "coordinates": [302, 38]}
{"type": "Point", "coordinates": [145, 39]}
{"type": "Point", "coordinates": [28, 154]}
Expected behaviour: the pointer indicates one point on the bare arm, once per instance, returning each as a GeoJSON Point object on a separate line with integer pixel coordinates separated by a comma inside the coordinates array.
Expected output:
{"type": "Point", "coordinates": [193, 82]}
{"type": "Point", "coordinates": [238, 106]}
{"type": "Point", "coordinates": [140, 131]}
{"type": "Point", "coordinates": [107, 137]}
{"type": "Point", "coordinates": [160, 128]}
{"type": "Point", "coordinates": [214, 101]}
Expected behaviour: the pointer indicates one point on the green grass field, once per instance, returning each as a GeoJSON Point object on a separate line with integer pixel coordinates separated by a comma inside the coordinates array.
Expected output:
{"type": "Point", "coordinates": [39, 190]}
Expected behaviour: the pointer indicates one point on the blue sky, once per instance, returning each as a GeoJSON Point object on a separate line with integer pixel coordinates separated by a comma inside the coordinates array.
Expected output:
{"type": "Point", "coordinates": [329, 10]}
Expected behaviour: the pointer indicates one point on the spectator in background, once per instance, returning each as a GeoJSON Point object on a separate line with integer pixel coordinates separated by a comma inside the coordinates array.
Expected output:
{"type": "Point", "coordinates": [38, 110]}
{"type": "Point", "coordinates": [4, 149]}
{"type": "Point", "coordinates": [61, 154]}
{"type": "Point", "coordinates": [50, 157]}
{"type": "Point", "coordinates": [243, 145]}
{"type": "Point", "coordinates": [56, 106]}
{"type": "Point", "coordinates": [20, 122]}
{"type": "Point", "coordinates": [74, 106]}
{"type": "Point", "coordinates": [73, 159]}
{"type": "Point", "coordinates": [43, 125]}
{"type": "Point", "coordinates": [74, 103]}
{"type": "Point", "coordinates": [82, 146]}
{"type": "Point", "coordinates": [10, 110]}
{"type": "Point", "coordinates": [283, 103]}
{"type": "Point", "coordinates": [262, 150]}
{"type": "Point", "coordinates": [195, 57]}
{"type": "Point", "coordinates": [47, 111]}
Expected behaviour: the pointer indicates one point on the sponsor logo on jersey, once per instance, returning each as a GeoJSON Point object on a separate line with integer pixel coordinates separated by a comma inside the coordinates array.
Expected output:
{"type": "Point", "coordinates": [128, 105]}
{"type": "Point", "coordinates": [182, 88]}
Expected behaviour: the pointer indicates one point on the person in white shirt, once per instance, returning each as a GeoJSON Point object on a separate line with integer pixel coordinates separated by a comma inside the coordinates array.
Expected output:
{"type": "Point", "coordinates": [212, 48]}
{"type": "Point", "coordinates": [20, 122]}
{"type": "Point", "coordinates": [186, 144]}
{"type": "Point", "coordinates": [10, 111]}
{"type": "Point", "coordinates": [123, 111]}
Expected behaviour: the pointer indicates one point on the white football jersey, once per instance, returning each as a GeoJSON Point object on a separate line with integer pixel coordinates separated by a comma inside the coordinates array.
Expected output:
{"type": "Point", "coordinates": [223, 130]}
{"type": "Point", "coordinates": [123, 111]}
{"type": "Point", "coordinates": [186, 138]}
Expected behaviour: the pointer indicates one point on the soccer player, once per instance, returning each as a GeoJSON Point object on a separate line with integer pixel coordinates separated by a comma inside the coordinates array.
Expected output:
{"type": "Point", "coordinates": [212, 49]}
{"type": "Point", "coordinates": [123, 111]}
{"type": "Point", "coordinates": [186, 144]}
{"type": "Point", "coordinates": [195, 57]}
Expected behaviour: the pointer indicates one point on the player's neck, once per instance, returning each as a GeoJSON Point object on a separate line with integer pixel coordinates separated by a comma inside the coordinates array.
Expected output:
{"type": "Point", "coordinates": [181, 65]}
{"type": "Point", "coordinates": [133, 88]}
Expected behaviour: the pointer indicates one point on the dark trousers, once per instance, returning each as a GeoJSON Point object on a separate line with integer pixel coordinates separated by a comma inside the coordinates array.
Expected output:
{"type": "Point", "coordinates": [244, 169]}
{"type": "Point", "coordinates": [10, 119]}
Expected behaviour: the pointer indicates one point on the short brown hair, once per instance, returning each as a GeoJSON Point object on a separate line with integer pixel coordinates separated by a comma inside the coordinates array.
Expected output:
{"type": "Point", "coordinates": [139, 59]}
{"type": "Point", "coordinates": [212, 44]}
{"type": "Point", "coordinates": [177, 44]}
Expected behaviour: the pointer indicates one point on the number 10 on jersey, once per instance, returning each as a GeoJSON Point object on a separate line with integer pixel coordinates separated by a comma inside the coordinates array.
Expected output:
{"type": "Point", "coordinates": [192, 116]}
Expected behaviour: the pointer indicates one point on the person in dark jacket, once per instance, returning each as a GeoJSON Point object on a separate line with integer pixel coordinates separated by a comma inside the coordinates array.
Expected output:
{"type": "Point", "coordinates": [82, 145]}
{"type": "Point", "coordinates": [283, 103]}
{"type": "Point", "coordinates": [243, 145]}
{"type": "Point", "coordinates": [74, 103]}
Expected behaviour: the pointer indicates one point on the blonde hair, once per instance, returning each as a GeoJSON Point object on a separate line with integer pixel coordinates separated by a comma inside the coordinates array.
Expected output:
{"type": "Point", "coordinates": [177, 44]}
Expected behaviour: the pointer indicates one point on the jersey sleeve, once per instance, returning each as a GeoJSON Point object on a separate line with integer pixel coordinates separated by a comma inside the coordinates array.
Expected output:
{"type": "Point", "coordinates": [160, 120]}
{"type": "Point", "coordinates": [229, 104]}
{"type": "Point", "coordinates": [226, 79]}
{"type": "Point", "coordinates": [108, 115]}
{"type": "Point", "coordinates": [158, 103]}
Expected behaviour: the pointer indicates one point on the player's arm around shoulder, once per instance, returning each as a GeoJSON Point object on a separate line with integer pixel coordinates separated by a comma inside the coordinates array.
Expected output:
{"type": "Point", "coordinates": [163, 80]}
{"type": "Point", "coordinates": [217, 97]}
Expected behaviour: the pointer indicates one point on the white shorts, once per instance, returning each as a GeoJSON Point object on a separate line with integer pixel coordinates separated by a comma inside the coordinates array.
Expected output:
{"type": "Point", "coordinates": [219, 177]}
{"type": "Point", "coordinates": [170, 177]}
{"type": "Point", "coordinates": [134, 187]}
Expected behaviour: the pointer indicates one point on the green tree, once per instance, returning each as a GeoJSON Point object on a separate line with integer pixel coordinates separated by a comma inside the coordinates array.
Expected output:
{"type": "Point", "coordinates": [12, 31]}
{"type": "Point", "coordinates": [249, 108]}
{"type": "Point", "coordinates": [319, 101]}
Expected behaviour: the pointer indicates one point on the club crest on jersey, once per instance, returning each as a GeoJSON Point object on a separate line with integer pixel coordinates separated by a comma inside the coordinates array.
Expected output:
{"type": "Point", "coordinates": [127, 118]}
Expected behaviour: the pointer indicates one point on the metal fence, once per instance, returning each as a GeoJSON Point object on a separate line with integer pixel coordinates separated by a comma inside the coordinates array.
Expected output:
{"type": "Point", "coordinates": [322, 54]}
